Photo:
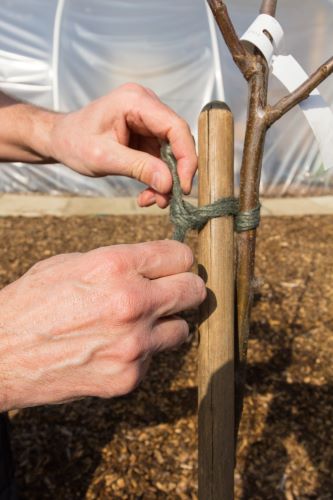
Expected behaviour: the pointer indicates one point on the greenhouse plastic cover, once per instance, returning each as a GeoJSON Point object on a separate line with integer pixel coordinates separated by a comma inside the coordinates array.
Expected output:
{"type": "Point", "coordinates": [62, 54]}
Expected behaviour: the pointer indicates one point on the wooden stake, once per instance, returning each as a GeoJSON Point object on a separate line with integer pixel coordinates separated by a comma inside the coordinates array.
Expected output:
{"type": "Point", "coordinates": [216, 329]}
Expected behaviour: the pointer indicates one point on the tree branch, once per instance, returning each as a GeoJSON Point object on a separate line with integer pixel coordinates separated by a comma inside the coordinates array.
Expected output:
{"type": "Point", "coordinates": [274, 113]}
{"type": "Point", "coordinates": [243, 59]}
{"type": "Point", "coordinates": [255, 135]}
{"type": "Point", "coordinates": [268, 7]}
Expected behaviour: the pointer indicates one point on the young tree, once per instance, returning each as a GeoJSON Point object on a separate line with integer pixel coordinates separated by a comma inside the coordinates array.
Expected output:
{"type": "Point", "coordinates": [261, 116]}
{"type": "Point", "coordinates": [215, 473]}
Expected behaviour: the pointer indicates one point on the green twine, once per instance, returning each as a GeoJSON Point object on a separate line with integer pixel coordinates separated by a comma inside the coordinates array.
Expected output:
{"type": "Point", "coordinates": [186, 216]}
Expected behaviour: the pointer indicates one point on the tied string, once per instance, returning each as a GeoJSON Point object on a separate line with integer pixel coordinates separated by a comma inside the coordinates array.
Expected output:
{"type": "Point", "coordinates": [186, 216]}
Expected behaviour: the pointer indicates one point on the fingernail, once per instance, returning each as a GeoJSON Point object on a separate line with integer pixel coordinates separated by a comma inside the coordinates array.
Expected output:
{"type": "Point", "coordinates": [150, 198]}
{"type": "Point", "coordinates": [187, 187]}
{"type": "Point", "coordinates": [156, 182]}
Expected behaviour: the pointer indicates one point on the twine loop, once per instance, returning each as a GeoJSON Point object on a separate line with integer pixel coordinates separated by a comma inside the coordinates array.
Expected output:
{"type": "Point", "coordinates": [186, 216]}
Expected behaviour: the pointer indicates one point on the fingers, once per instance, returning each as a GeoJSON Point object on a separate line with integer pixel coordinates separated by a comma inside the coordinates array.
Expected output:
{"type": "Point", "coordinates": [173, 294]}
{"type": "Point", "coordinates": [148, 197]}
{"type": "Point", "coordinates": [151, 260]}
{"type": "Point", "coordinates": [183, 148]}
{"type": "Point", "coordinates": [122, 160]}
{"type": "Point", "coordinates": [154, 259]}
{"type": "Point", "coordinates": [169, 333]}
{"type": "Point", "coordinates": [152, 117]}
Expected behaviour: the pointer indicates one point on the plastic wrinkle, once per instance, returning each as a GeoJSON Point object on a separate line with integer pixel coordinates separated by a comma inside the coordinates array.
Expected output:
{"type": "Point", "coordinates": [173, 48]}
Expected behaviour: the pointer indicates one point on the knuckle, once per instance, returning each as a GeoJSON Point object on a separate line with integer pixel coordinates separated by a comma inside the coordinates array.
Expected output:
{"type": "Point", "coordinates": [128, 378]}
{"type": "Point", "coordinates": [188, 257]}
{"type": "Point", "coordinates": [110, 260]}
{"type": "Point", "coordinates": [182, 124]}
{"type": "Point", "coordinates": [194, 287]}
{"type": "Point", "coordinates": [151, 93]}
{"type": "Point", "coordinates": [200, 287]}
{"type": "Point", "coordinates": [104, 391]}
{"type": "Point", "coordinates": [131, 379]}
{"type": "Point", "coordinates": [36, 267]}
{"type": "Point", "coordinates": [97, 155]}
{"type": "Point", "coordinates": [174, 250]}
{"type": "Point", "coordinates": [128, 305]}
{"type": "Point", "coordinates": [182, 293]}
{"type": "Point", "coordinates": [183, 330]}
{"type": "Point", "coordinates": [44, 264]}
{"type": "Point", "coordinates": [115, 264]}
{"type": "Point", "coordinates": [134, 348]}
{"type": "Point", "coordinates": [133, 88]}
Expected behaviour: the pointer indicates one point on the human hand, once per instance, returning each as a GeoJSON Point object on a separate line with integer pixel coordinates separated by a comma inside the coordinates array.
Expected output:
{"type": "Point", "coordinates": [87, 324]}
{"type": "Point", "coordinates": [120, 134]}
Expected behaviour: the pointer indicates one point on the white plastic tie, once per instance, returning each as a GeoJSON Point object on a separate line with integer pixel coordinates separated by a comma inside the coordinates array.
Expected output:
{"type": "Point", "coordinates": [256, 35]}
{"type": "Point", "coordinates": [291, 74]}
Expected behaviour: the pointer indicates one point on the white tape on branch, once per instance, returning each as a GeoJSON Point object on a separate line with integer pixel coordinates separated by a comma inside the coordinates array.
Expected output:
{"type": "Point", "coordinates": [317, 112]}
{"type": "Point", "coordinates": [256, 35]}
{"type": "Point", "coordinates": [292, 75]}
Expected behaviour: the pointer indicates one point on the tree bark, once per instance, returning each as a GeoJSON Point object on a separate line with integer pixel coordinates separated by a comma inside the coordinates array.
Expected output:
{"type": "Point", "coordinates": [260, 117]}
{"type": "Point", "coordinates": [268, 7]}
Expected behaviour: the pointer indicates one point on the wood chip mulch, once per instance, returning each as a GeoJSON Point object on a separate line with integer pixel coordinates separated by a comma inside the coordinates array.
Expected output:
{"type": "Point", "coordinates": [143, 446]}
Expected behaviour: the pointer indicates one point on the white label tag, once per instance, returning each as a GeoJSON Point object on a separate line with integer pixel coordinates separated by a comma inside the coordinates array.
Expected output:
{"type": "Point", "coordinates": [292, 75]}
{"type": "Point", "coordinates": [317, 112]}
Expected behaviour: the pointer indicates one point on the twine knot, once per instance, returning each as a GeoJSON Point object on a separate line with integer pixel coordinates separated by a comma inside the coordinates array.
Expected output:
{"type": "Point", "coordinates": [186, 216]}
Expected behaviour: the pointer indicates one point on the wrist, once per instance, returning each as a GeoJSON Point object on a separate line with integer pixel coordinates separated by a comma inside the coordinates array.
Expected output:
{"type": "Point", "coordinates": [38, 135]}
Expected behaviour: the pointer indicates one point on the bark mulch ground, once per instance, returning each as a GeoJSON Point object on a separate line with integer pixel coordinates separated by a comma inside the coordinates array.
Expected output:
{"type": "Point", "coordinates": [144, 445]}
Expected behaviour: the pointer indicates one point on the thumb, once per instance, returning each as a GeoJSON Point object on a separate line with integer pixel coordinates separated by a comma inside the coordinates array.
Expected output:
{"type": "Point", "coordinates": [122, 160]}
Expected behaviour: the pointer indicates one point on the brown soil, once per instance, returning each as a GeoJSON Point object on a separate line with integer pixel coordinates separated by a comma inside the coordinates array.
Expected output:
{"type": "Point", "coordinates": [144, 445]}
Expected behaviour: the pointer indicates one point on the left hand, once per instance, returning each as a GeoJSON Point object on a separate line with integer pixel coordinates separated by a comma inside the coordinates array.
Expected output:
{"type": "Point", "coordinates": [119, 134]}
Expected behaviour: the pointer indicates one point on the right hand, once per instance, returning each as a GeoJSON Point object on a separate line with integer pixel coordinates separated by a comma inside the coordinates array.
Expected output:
{"type": "Point", "coordinates": [87, 324]}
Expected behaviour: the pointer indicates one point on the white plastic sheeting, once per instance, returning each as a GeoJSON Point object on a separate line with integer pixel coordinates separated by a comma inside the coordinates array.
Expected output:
{"type": "Point", "coordinates": [62, 54]}
{"type": "Point", "coordinates": [292, 164]}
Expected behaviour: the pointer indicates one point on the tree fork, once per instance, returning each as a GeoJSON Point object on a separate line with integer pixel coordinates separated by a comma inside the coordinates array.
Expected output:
{"type": "Point", "coordinates": [260, 117]}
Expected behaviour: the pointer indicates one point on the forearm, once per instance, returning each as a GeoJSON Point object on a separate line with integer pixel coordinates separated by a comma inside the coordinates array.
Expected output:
{"type": "Point", "coordinates": [25, 131]}
{"type": "Point", "coordinates": [117, 134]}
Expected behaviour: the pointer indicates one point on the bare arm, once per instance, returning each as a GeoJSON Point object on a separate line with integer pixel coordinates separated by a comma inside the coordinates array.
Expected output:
{"type": "Point", "coordinates": [88, 324]}
{"type": "Point", "coordinates": [117, 134]}
{"type": "Point", "coordinates": [24, 131]}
